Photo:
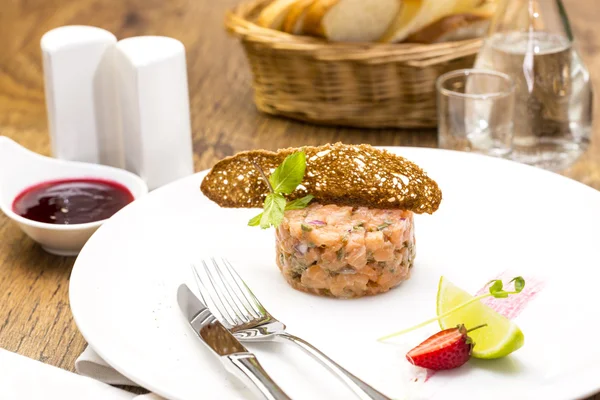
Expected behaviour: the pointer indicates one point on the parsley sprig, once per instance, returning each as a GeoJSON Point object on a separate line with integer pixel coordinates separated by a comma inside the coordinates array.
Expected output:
{"type": "Point", "coordinates": [283, 181]}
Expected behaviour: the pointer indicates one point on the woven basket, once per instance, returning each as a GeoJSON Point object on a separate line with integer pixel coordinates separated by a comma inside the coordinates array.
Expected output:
{"type": "Point", "coordinates": [371, 85]}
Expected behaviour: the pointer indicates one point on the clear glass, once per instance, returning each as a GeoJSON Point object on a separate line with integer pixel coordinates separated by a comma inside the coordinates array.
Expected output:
{"type": "Point", "coordinates": [531, 41]}
{"type": "Point", "coordinates": [475, 111]}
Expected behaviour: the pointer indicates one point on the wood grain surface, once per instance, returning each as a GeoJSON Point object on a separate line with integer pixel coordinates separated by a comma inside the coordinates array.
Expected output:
{"type": "Point", "coordinates": [35, 319]}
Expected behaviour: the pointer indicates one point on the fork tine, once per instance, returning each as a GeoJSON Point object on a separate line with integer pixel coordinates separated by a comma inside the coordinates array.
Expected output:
{"type": "Point", "coordinates": [236, 293]}
{"type": "Point", "coordinates": [205, 293]}
{"type": "Point", "coordinates": [229, 294]}
{"type": "Point", "coordinates": [208, 299]}
{"type": "Point", "coordinates": [211, 291]}
{"type": "Point", "coordinates": [222, 295]}
{"type": "Point", "coordinates": [250, 298]}
{"type": "Point", "coordinates": [201, 288]}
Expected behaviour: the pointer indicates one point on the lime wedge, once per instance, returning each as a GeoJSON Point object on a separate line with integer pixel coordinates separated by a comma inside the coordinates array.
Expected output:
{"type": "Point", "coordinates": [498, 339]}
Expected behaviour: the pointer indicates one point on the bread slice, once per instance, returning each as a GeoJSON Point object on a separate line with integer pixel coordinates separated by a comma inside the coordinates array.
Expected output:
{"type": "Point", "coordinates": [417, 14]}
{"type": "Point", "coordinates": [469, 23]}
{"type": "Point", "coordinates": [351, 20]}
{"type": "Point", "coordinates": [359, 176]}
{"type": "Point", "coordinates": [452, 28]}
{"type": "Point", "coordinates": [314, 17]}
{"type": "Point", "coordinates": [294, 20]}
{"type": "Point", "coordinates": [478, 7]}
{"type": "Point", "coordinates": [274, 14]}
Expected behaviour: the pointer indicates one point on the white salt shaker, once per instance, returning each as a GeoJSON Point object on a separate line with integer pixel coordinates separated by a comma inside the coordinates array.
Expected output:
{"type": "Point", "coordinates": [152, 88]}
{"type": "Point", "coordinates": [80, 94]}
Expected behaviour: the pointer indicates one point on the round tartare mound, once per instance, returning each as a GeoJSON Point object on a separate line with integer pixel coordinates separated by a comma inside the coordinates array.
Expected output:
{"type": "Point", "coordinates": [345, 252]}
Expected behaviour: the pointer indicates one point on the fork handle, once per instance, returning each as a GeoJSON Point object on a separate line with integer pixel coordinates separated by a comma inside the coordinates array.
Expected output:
{"type": "Point", "coordinates": [362, 390]}
{"type": "Point", "coordinates": [246, 367]}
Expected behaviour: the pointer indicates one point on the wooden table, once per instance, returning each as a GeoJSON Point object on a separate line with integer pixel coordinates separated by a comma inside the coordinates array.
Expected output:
{"type": "Point", "coordinates": [35, 319]}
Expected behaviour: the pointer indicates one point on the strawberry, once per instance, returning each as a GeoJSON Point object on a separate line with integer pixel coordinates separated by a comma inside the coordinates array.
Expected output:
{"type": "Point", "coordinates": [447, 349]}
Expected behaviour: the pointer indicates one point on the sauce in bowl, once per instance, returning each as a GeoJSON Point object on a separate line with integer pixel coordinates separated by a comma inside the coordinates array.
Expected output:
{"type": "Point", "coordinates": [72, 201]}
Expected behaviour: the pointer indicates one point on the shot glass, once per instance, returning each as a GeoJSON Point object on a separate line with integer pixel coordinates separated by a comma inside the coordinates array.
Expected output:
{"type": "Point", "coordinates": [475, 111]}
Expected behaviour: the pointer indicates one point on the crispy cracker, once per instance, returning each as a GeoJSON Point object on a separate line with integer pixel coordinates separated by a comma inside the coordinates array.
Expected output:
{"type": "Point", "coordinates": [359, 176]}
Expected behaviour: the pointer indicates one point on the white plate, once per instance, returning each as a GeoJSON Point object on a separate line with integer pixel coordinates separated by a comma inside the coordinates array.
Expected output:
{"type": "Point", "coordinates": [495, 216]}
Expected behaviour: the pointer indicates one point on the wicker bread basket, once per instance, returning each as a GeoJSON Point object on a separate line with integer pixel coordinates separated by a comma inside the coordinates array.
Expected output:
{"type": "Point", "coordinates": [371, 85]}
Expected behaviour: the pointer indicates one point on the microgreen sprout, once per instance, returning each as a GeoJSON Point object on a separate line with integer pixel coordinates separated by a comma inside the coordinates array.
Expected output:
{"type": "Point", "coordinates": [496, 290]}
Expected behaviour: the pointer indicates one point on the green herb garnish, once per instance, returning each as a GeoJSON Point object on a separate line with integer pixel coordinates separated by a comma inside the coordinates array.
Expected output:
{"type": "Point", "coordinates": [345, 239]}
{"type": "Point", "coordinates": [383, 226]}
{"type": "Point", "coordinates": [284, 180]}
{"type": "Point", "coordinates": [306, 228]}
{"type": "Point", "coordinates": [300, 203]}
{"type": "Point", "coordinates": [289, 174]}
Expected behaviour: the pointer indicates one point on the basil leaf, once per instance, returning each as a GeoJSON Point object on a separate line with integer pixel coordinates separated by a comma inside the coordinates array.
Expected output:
{"type": "Point", "coordinates": [256, 220]}
{"type": "Point", "coordinates": [299, 204]}
{"type": "Point", "coordinates": [289, 174]}
{"type": "Point", "coordinates": [273, 213]}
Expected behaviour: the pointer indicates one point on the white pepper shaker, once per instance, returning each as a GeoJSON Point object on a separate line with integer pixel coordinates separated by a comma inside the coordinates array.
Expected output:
{"type": "Point", "coordinates": [152, 88]}
{"type": "Point", "coordinates": [80, 94]}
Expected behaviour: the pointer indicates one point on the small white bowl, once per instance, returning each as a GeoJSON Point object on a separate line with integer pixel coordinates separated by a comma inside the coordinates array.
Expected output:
{"type": "Point", "coordinates": [21, 169]}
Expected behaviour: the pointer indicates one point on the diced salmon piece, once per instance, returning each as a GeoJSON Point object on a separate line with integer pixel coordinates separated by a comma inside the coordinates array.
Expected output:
{"type": "Point", "coordinates": [328, 237]}
{"type": "Point", "coordinates": [356, 239]}
{"type": "Point", "coordinates": [397, 233]}
{"type": "Point", "coordinates": [315, 278]}
{"type": "Point", "coordinates": [386, 279]}
{"type": "Point", "coordinates": [357, 258]}
{"type": "Point", "coordinates": [311, 256]}
{"type": "Point", "coordinates": [374, 241]}
{"type": "Point", "coordinates": [384, 253]}
{"type": "Point", "coordinates": [336, 215]}
{"type": "Point", "coordinates": [348, 285]}
{"type": "Point", "coordinates": [295, 228]}
{"type": "Point", "coordinates": [408, 234]}
{"type": "Point", "coordinates": [370, 273]}
{"type": "Point", "coordinates": [334, 259]}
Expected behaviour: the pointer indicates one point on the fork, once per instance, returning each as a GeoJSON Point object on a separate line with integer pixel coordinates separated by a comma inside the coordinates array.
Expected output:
{"type": "Point", "coordinates": [234, 304]}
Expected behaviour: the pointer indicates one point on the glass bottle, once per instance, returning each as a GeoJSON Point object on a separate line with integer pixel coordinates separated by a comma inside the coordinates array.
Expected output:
{"type": "Point", "coordinates": [531, 40]}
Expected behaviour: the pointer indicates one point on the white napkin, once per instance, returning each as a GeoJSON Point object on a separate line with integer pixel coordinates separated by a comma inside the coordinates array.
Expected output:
{"type": "Point", "coordinates": [90, 364]}
{"type": "Point", "coordinates": [22, 378]}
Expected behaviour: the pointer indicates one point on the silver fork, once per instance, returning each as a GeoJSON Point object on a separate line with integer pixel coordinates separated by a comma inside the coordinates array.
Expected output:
{"type": "Point", "coordinates": [234, 304]}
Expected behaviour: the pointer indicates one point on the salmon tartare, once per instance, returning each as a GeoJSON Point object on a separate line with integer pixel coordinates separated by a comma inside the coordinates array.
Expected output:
{"type": "Point", "coordinates": [344, 251]}
{"type": "Point", "coordinates": [343, 214]}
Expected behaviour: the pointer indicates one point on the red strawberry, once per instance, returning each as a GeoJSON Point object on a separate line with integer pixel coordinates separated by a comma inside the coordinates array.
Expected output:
{"type": "Point", "coordinates": [447, 349]}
